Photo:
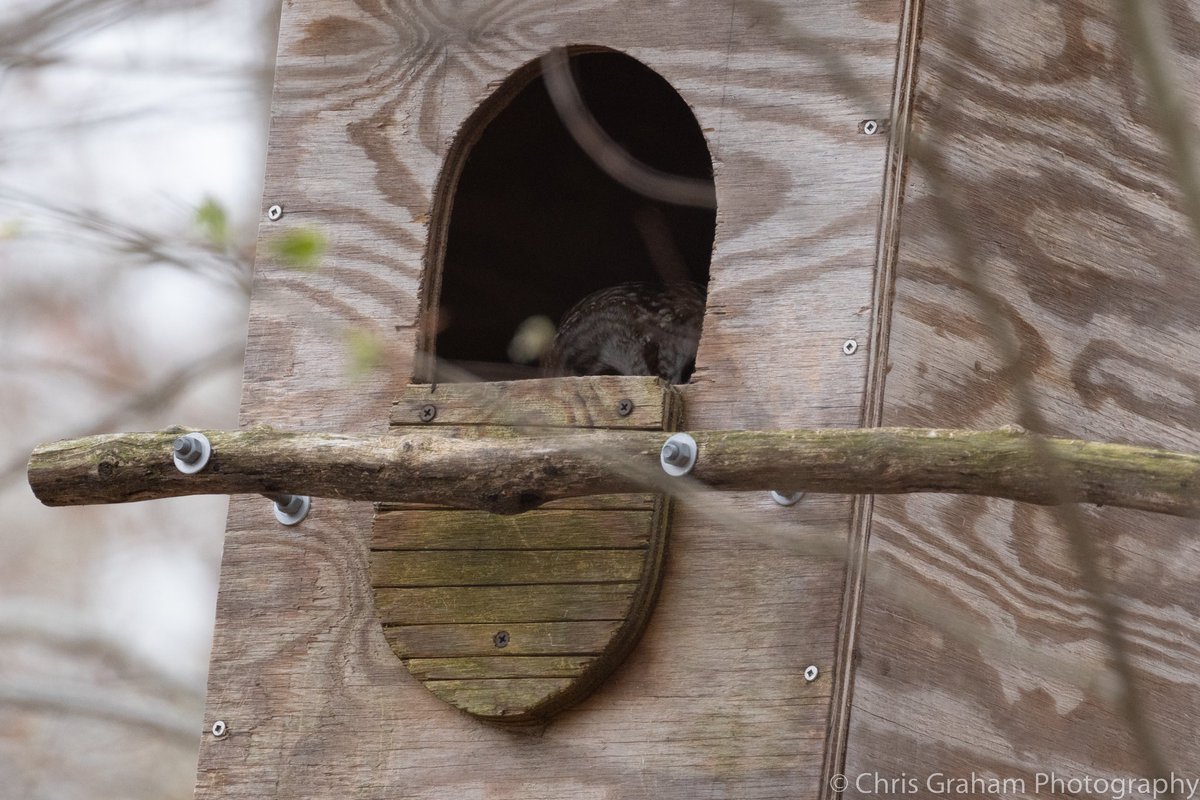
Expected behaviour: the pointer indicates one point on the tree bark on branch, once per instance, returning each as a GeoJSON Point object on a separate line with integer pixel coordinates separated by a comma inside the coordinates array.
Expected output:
{"type": "Point", "coordinates": [514, 473]}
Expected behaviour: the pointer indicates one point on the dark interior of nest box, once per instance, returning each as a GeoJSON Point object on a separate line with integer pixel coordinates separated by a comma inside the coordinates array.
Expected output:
{"type": "Point", "coordinates": [535, 225]}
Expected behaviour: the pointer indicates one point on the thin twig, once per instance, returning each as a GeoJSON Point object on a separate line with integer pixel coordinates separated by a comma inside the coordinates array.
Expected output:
{"type": "Point", "coordinates": [609, 156]}
{"type": "Point", "coordinates": [157, 396]}
{"type": "Point", "coordinates": [82, 636]}
{"type": "Point", "coordinates": [135, 711]}
{"type": "Point", "coordinates": [1146, 32]}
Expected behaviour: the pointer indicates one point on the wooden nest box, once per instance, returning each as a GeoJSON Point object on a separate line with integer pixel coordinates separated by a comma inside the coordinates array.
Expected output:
{"type": "Point", "coordinates": [710, 649]}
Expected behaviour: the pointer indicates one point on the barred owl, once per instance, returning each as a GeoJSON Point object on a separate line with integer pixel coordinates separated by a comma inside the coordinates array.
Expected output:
{"type": "Point", "coordinates": [631, 329]}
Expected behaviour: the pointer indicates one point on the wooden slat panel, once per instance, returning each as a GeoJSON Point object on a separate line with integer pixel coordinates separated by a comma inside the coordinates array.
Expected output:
{"type": "Point", "coordinates": [463, 431]}
{"type": "Point", "coordinates": [503, 604]}
{"type": "Point", "coordinates": [533, 530]}
{"type": "Point", "coordinates": [504, 567]}
{"type": "Point", "coordinates": [525, 639]}
{"type": "Point", "coordinates": [440, 669]}
{"type": "Point", "coordinates": [569, 403]}
{"type": "Point", "coordinates": [434, 541]}
{"type": "Point", "coordinates": [497, 698]}
{"type": "Point", "coordinates": [1068, 200]}
{"type": "Point", "coordinates": [617, 502]}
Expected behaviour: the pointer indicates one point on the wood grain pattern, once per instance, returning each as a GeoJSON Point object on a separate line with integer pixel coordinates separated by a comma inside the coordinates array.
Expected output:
{"type": "Point", "coordinates": [1048, 142]}
{"type": "Point", "coordinates": [547, 403]}
{"type": "Point", "coordinates": [480, 697]}
{"type": "Point", "coordinates": [711, 704]}
{"type": "Point", "coordinates": [487, 669]}
{"type": "Point", "coordinates": [577, 637]}
{"type": "Point", "coordinates": [614, 502]}
{"type": "Point", "coordinates": [533, 530]}
{"type": "Point", "coordinates": [520, 603]}
{"type": "Point", "coordinates": [391, 568]}
{"type": "Point", "coordinates": [577, 583]}
{"type": "Point", "coordinates": [887, 254]}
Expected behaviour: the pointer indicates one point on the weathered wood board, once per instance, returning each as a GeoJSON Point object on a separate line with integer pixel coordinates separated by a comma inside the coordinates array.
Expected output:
{"type": "Point", "coordinates": [461, 594]}
{"type": "Point", "coordinates": [1048, 143]}
{"type": "Point", "coordinates": [712, 702]}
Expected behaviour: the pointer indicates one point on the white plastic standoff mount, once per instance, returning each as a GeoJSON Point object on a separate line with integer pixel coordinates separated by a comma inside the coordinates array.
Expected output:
{"type": "Point", "coordinates": [678, 454]}
{"type": "Point", "coordinates": [290, 509]}
{"type": "Point", "coordinates": [191, 452]}
{"type": "Point", "coordinates": [787, 499]}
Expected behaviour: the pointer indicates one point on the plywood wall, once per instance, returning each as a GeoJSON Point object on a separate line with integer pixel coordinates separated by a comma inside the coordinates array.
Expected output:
{"type": "Point", "coordinates": [712, 704]}
{"type": "Point", "coordinates": [1050, 154]}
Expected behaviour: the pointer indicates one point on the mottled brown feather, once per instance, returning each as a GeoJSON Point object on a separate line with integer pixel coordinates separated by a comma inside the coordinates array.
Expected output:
{"type": "Point", "coordinates": [631, 329]}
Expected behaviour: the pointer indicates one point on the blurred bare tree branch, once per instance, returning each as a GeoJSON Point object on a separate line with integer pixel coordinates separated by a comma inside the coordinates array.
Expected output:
{"type": "Point", "coordinates": [126, 257]}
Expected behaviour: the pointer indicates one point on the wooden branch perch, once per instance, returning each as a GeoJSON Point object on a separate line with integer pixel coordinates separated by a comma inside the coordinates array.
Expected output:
{"type": "Point", "coordinates": [509, 475]}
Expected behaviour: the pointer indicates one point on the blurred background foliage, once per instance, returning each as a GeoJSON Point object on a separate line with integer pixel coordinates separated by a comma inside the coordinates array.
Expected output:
{"type": "Point", "coordinates": [131, 160]}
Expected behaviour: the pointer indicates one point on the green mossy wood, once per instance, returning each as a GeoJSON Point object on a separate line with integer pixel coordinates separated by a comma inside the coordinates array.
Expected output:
{"type": "Point", "coordinates": [508, 469]}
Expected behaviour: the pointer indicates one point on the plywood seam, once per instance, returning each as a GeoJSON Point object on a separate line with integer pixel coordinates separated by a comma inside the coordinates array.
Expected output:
{"type": "Point", "coordinates": [886, 255]}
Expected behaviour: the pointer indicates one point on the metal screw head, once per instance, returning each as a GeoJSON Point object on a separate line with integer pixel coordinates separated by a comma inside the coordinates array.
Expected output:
{"type": "Point", "coordinates": [290, 509]}
{"type": "Point", "coordinates": [294, 504]}
{"type": "Point", "coordinates": [187, 449]}
{"type": "Point", "coordinates": [500, 639]}
{"type": "Point", "coordinates": [850, 347]}
{"type": "Point", "coordinates": [427, 412]}
{"type": "Point", "coordinates": [288, 503]}
{"type": "Point", "coordinates": [811, 672]}
{"type": "Point", "coordinates": [869, 126]}
{"type": "Point", "coordinates": [625, 407]}
{"type": "Point", "coordinates": [678, 454]}
{"type": "Point", "coordinates": [190, 452]}
{"type": "Point", "coordinates": [274, 212]}
{"type": "Point", "coordinates": [219, 729]}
